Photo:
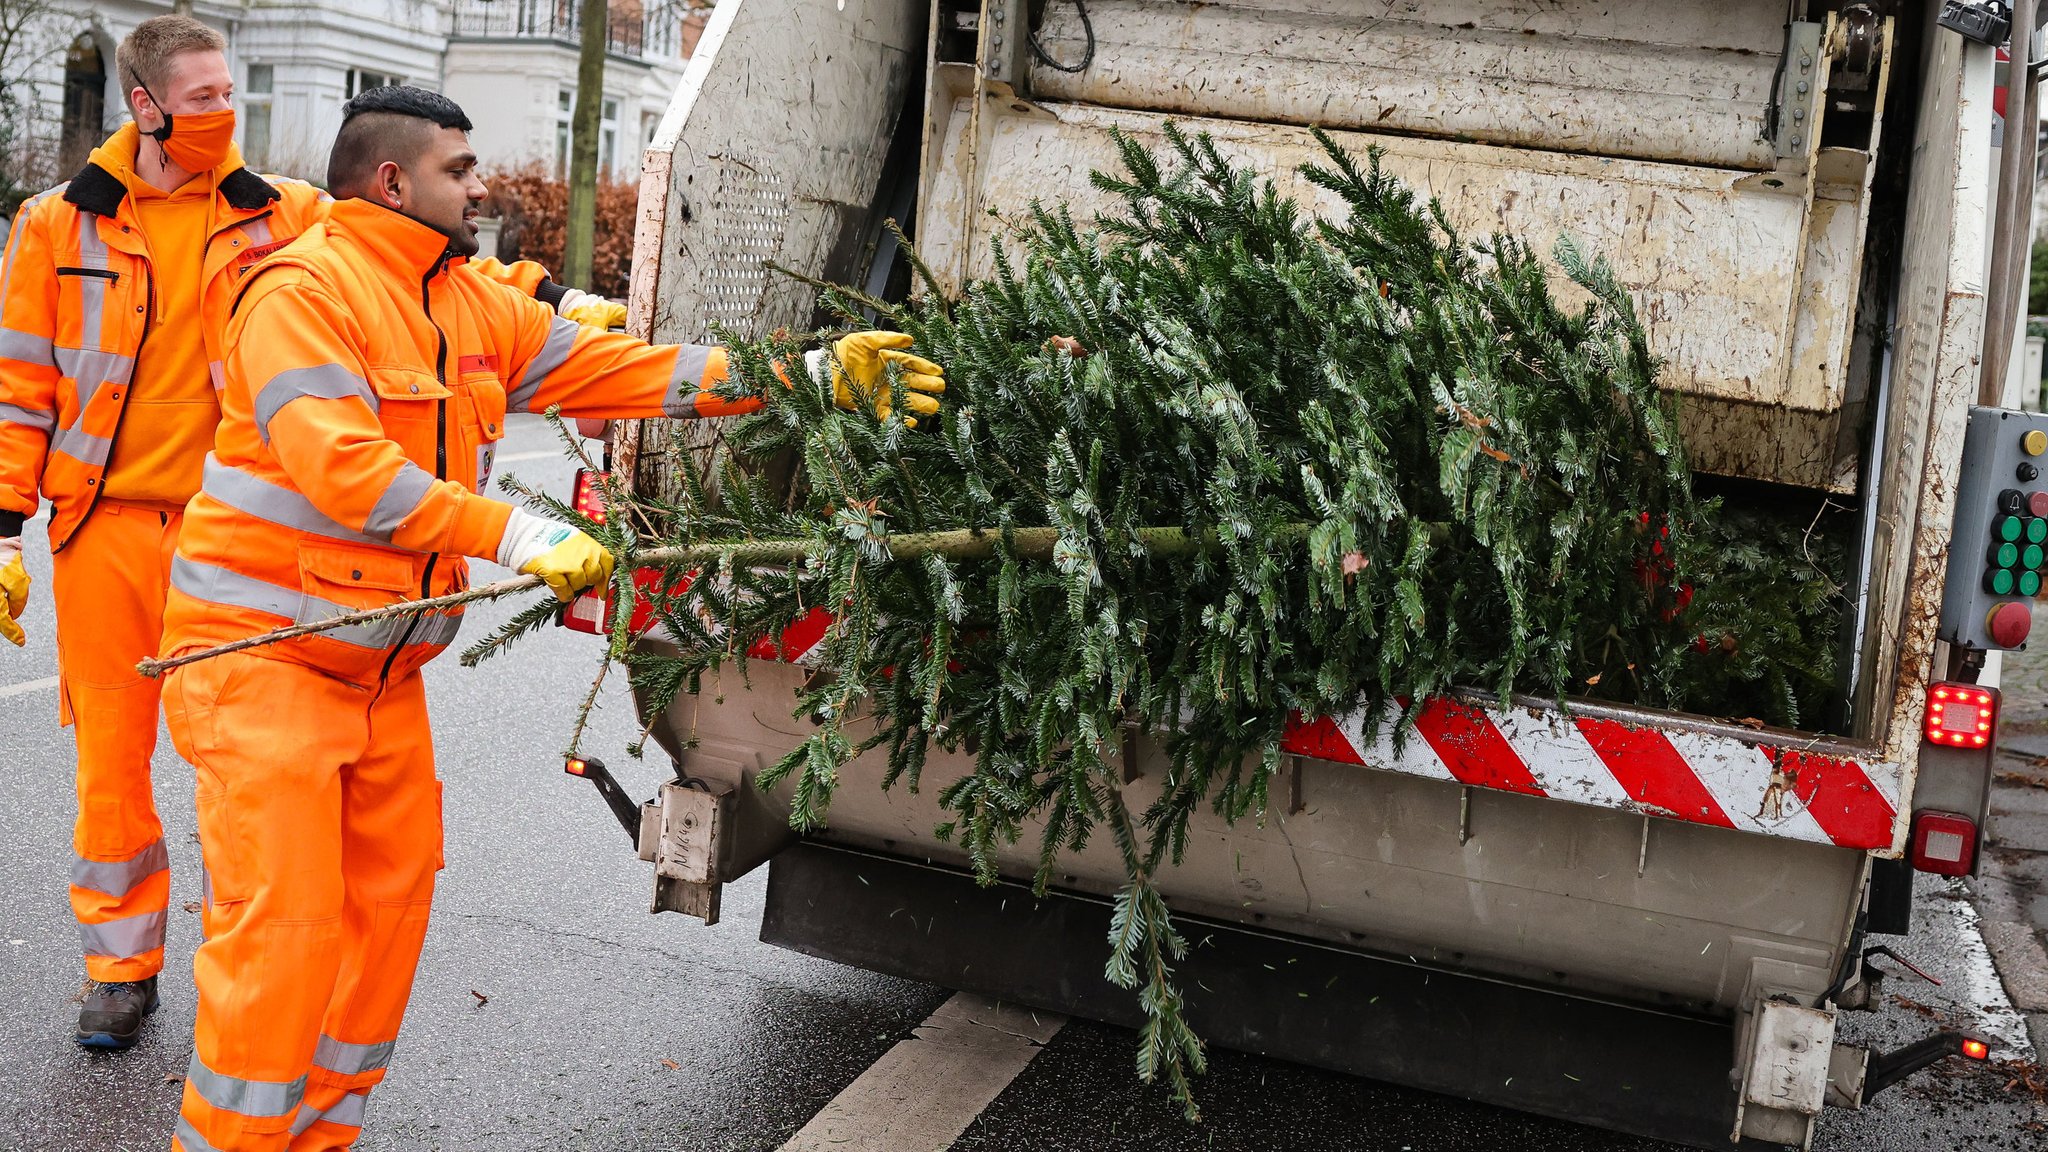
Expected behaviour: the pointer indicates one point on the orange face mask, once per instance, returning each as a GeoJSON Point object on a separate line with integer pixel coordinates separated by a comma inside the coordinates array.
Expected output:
{"type": "Point", "coordinates": [197, 141]}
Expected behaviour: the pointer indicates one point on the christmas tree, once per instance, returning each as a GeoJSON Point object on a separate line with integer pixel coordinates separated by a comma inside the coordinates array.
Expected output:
{"type": "Point", "coordinates": [1206, 463]}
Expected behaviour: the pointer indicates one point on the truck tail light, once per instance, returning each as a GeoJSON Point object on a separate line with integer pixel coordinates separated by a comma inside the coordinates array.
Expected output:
{"type": "Point", "coordinates": [1976, 1049]}
{"type": "Point", "coordinates": [1961, 715]}
{"type": "Point", "coordinates": [1944, 843]}
{"type": "Point", "coordinates": [589, 498]}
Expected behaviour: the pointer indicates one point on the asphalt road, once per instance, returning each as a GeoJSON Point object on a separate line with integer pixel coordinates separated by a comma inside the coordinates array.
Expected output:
{"type": "Point", "coordinates": [552, 1012]}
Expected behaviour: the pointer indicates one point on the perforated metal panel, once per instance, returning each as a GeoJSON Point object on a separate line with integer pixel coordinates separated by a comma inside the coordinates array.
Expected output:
{"type": "Point", "coordinates": [749, 215]}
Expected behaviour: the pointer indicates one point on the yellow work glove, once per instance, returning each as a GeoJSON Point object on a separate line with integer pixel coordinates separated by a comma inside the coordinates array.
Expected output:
{"type": "Point", "coordinates": [602, 315]}
{"type": "Point", "coordinates": [859, 375]}
{"type": "Point", "coordinates": [568, 560]}
{"type": "Point", "coordinates": [13, 590]}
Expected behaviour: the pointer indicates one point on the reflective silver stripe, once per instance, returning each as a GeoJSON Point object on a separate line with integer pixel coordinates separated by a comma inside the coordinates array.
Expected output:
{"type": "Point", "coordinates": [92, 290]}
{"type": "Point", "coordinates": [217, 374]}
{"type": "Point", "coordinates": [681, 401]}
{"type": "Point", "coordinates": [325, 381]}
{"type": "Point", "coordinates": [553, 354]}
{"type": "Point", "coordinates": [118, 877]}
{"type": "Point", "coordinates": [258, 231]}
{"type": "Point", "coordinates": [347, 1111]}
{"type": "Point", "coordinates": [13, 233]}
{"type": "Point", "coordinates": [438, 630]}
{"type": "Point", "coordinates": [28, 348]}
{"type": "Point", "coordinates": [91, 368]}
{"type": "Point", "coordinates": [220, 586]}
{"type": "Point", "coordinates": [400, 500]}
{"type": "Point", "coordinates": [40, 421]}
{"type": "Point", "coordinates": [86, 449]}
{"type": "Point", "coordinates": [252, 496]}
{"type": "Point", "coordinates": [344, 1059]}
{"type": "Point", "coordinates": [245, 1097]}
{"type": "Point", "coordinates": [190, 1140]}
{"type": "Point", "coordinates": [123, 938]}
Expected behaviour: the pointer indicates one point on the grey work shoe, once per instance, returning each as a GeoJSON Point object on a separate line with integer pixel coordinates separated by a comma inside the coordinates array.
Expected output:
{"type": "Point", "coordinates": [111, 1013]}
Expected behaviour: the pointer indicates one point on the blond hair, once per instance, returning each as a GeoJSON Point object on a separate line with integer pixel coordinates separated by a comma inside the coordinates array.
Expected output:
{"type": "Point", "coordinates": [144, 58]}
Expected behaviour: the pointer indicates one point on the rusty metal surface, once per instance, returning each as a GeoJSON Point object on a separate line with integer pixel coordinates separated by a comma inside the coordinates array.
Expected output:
{"type": "Point", "coordinates": [1940, 329]}
{"type": "Point", "coordinates": [1747, 294]}
{"type": "Point", "coordinates": [1679, 82]}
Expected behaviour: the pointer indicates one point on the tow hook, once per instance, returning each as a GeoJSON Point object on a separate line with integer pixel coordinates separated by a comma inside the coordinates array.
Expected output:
{"type": "Point", "coordinates": [1859, 1074]}
{"type": "Point", "coordinates": [592, 769]}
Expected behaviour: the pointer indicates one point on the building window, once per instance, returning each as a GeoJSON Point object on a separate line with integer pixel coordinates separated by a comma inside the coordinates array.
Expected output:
{"type": "Point", "coordinates": [650, 123]}
{"type": "Point", "coordinates": [85, 103]}
{"type": "Point", "coordinates": [565, 100]}
{"type": "Point", "coordinates": [361, 81]}
{"type": "Point", "coordinates": [255, 115]}
{"type": "Point", "coordinates": [608, 140]}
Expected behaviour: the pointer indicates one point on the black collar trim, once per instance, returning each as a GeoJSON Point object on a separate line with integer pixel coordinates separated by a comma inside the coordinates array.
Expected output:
{"type": "Point", "coordinates": [100, 192]}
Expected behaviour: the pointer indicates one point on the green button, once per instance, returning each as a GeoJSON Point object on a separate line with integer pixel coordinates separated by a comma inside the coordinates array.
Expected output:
{"type": "Point", "coordinates": [2037, 530]}
{"type": "Point", "coordinates": [2030, 583]}
{"type": "Point", "coordinates": [2005, 555]}
{"type": "Point", "coordinates": [1999, 583]}
{"type": "Point", "coordinates": [2032, 557]}
{"type": "Point", "coordinates": [2009, 528]}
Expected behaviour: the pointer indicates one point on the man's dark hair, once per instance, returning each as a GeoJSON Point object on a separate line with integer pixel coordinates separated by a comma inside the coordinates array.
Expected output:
{"type": "Point", "coordinates": [391, 123]}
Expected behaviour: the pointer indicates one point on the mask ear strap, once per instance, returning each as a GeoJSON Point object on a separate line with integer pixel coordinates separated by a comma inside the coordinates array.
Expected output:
{"type": "Point", "coordinates": [159, 134]}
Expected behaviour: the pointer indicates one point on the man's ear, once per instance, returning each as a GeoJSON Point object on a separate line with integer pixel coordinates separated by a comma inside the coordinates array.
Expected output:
{"type": "Point", "coordinates": [390, 184]}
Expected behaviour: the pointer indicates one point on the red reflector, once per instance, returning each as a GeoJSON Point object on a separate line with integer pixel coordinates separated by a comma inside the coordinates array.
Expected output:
{"type": "Point", "coordinates": [1960, 715]}
{"type": "Point", "coordinates": [1944, 843]}
{"type": "Point", "coordinates": [589, 498]}
{"type": "Point", "coordinates": [575, 767]}
{"type": "Point", "coordinates": [586, 613]}
{"type": "Point", "coordinates": [1976, 1049]}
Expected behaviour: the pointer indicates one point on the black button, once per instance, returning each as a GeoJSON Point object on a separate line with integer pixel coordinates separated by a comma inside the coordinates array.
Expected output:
{"type": "Point", "coordinates": [356, 575]}
{"type": "Point", "coordinates": [90, 483]}
{"type": "Point", "coordinates": [2027, 473]}
{"type": "Point", "coordinates": [2009, 501]}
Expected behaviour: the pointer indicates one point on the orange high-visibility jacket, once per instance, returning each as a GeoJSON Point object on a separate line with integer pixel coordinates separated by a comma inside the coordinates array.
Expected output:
{"type": "Point", "coordinates": [75, 295]}
{"type": "Point", "coordinates": [76, 286]}
{"type": "Point", "coordinates": [368, 378]}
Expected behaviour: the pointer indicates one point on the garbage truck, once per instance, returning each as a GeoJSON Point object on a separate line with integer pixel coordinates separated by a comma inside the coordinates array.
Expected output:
{"type": "Point", "coordinates": [1643, 920]}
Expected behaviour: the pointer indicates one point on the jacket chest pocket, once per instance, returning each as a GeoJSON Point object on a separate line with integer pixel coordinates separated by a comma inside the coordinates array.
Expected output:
{"type": "Point", "coordinates": [413, 408]}
{"type": "Point", "coordinates": [484, 425]}
{"type": "Point", "coordinates": [335, 580]}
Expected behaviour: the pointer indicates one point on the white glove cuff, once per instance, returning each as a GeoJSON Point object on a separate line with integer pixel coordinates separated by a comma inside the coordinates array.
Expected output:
{"type": "Point", "coordinates": [528, 537]}
{"type": "Point", "coordinates": [574, 298]}
{"type": "Point", "coordinates": [820, 368]}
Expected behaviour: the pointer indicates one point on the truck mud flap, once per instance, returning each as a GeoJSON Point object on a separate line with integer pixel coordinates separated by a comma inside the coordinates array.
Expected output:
{"type": "Point", "coordinates": [1634, 1070]}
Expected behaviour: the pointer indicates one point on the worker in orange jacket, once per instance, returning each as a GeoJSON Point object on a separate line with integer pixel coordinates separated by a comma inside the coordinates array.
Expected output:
{"type": "Point", "coordinates": [115, 291]}
{"type": "Point", "coordinates": [369, 374]}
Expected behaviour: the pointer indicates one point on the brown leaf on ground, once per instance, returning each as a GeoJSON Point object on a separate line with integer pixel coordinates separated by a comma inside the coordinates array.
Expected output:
{"type": "Point", "coordinates": [481, 999]}
{"type": "Point", "coordinates": [2021, 779]}
{"type": "Point", "coordinates": [173, 1078]}
{"type": "Point", "coordinates": [191, 905]}
{"type": "Point", "coordinates": [1751, 722]}
{"type": "Point", "coordinates": [671, 1065]}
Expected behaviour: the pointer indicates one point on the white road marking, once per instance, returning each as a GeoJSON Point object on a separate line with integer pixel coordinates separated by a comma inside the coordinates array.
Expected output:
{"type": "Point", "coordinates": [27, 686]}
{"type": "Point", "coordinates": [923, 1093]}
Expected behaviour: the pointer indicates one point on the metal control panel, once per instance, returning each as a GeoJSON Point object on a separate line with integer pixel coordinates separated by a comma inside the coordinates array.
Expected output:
{"type": "Point", "coordinates": [1998, 555]}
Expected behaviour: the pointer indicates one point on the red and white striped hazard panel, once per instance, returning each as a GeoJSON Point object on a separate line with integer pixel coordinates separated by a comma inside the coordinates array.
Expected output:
{"type": "Point", "coordinates": [1680, 775]}
{"type": "Point", "coordinates": [1702, 778]}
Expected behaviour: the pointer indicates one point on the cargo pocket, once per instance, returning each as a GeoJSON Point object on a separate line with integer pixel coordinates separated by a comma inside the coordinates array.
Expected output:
{"type": "Point", "coordinates": [487, 426]}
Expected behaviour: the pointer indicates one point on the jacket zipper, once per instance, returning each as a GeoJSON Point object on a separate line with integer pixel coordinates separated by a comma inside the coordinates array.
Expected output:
{"type": "Point", "coordinates": [121, 417]}
{"type": "Point", "coordinates": [440, 459]}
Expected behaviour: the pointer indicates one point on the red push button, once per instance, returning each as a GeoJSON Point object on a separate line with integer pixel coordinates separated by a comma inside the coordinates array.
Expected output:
{"type": "Point", "coordinates": [2008, 625]}
{"type": "Point", "coordinates": [2037, 503]}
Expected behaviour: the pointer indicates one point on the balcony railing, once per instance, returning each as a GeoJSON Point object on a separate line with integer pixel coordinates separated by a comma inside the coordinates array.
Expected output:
{"type": "Point", "coordinates": [558, 20]}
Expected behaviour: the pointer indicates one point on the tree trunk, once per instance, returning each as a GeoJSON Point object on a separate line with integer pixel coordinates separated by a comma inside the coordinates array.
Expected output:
{"type": "Point", "coordinates": [583, 129]}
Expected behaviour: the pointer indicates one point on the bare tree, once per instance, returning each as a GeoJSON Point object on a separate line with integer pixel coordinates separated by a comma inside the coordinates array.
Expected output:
{"type": "Point", "coordinates": [32, 34]}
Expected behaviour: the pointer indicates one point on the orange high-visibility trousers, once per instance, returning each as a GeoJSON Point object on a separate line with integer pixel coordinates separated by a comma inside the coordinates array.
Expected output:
{"type": "Point", "coordinates": [320, 821]}
{"type": "Point", "coordinates": [110, 582]}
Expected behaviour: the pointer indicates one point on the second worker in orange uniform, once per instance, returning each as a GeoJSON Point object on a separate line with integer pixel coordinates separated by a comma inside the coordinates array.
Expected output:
{"type": "Point", "coordinates": [369, 373]}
